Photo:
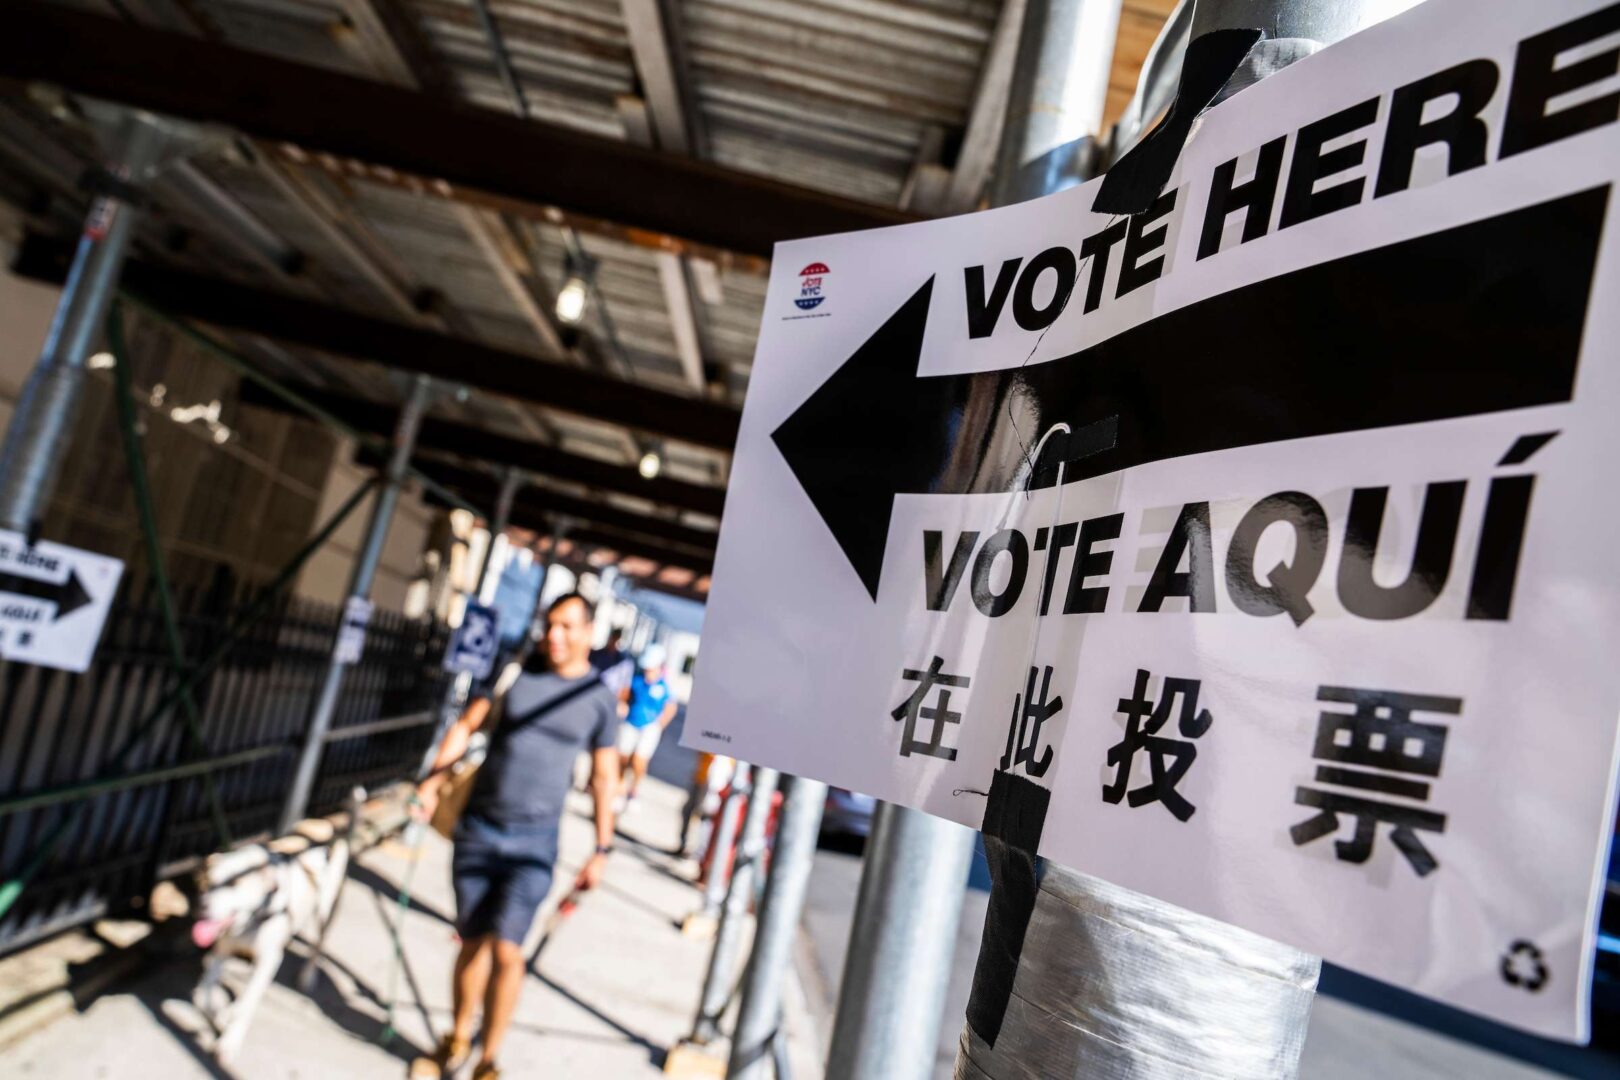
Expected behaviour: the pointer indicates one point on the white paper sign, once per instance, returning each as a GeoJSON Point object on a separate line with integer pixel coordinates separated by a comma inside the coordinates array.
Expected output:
{"type": "Point", "coordinates": [1271, 531]}
{"type": "Point", "coordinates": [53, 601]}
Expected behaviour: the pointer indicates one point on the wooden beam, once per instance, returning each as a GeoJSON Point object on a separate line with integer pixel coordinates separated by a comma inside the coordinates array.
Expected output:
{"type": "Point", "coordinates": [448, 145]}
{"type": "Point", "coordinates": [299, 321]}
{"type": "Point", "coordinates": [475, 444]}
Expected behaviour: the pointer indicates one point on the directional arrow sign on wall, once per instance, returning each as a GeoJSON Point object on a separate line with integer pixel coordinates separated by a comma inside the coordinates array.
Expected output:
{"type": "Point", "coordinates": [53, 601]}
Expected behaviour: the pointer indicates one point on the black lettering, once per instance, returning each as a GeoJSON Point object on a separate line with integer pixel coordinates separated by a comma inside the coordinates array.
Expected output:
{"type": "Point", "coordinates": [1140, 241]}
{"type": "Point", "coordinates": [1030, 317]}
{"type": "Point", "coordinates": [983, 314]}
{"type": "Point", "coordinates": [1501, 540]}
{"type": "Point", "coordinates": [1536, 81]}
{"type": "Point", "coordinates": [1190, 537]}
{"type": "Point", "coordinates": [1062, 537]}
{"type": "Point", "coordinates": [942, 583]}
{"type": "Point", "coordinates": [1095, 247]}
{"type": "Point", "coordinates": [1254, 197]}
{"type": "Point", "coordinates": [1288, 583]}
{"type": "Point", "coordinates": [1300, 201]}
{"type": "Point", "coordinates": [1461, 129]}
{"type": "Point", "coordinates": [1088, 564]}
{"type": "Point", "coordinates": [1431, 557]}
{"type": "Point", "coordinates": [1013, 543]}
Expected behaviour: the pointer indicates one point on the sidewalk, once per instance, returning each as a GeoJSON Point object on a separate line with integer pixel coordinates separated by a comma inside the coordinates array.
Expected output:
{"type": "Point", "coordinates": [614, 987]}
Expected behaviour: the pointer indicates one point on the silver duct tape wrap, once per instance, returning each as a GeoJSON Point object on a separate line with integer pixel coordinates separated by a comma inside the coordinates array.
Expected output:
{"type": "Point", "coordinates": [1112, 985]}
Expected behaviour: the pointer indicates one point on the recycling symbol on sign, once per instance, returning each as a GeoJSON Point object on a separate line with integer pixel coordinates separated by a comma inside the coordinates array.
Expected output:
{"type": "Point", "coordinates": [1523, 966]}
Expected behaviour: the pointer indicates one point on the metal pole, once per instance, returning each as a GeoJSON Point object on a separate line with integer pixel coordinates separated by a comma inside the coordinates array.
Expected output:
{"type": "Point", "coordinates": [1112, 983]}
{"type": "Point", "coordinates": [760, 1015]}
{"type": "Point", "coordinates": [728, 937]}
{"type": "Point", "coordinates": [42, 424]}
{"type": "Point", "coordinates": [915, 873]}
{"type": "Point", "coordinates": [900, 947]}
{"type": "Point", "coordinates": [365, 569]}
{"type": "Point", "coordinates": [455, 692]}
{"type": "Point", "coordinates": [725, 834]}
{"type": "Point", "coordinates": [1056, 98]}
{"type": "Point", "coordinates": [511, 480]}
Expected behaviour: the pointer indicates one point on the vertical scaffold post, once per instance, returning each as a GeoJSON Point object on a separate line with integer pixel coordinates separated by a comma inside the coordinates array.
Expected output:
{"type": "Point", "coordinates": [910, 902]}
{"type": "Point", "coordinates": [759, 1016]}
{"type": "Point", "coordinates": [1115, 983]}
{"type": "Point", "coordinates": [739, 893]}
{"type": "Point", "coordinates": [37, 437]}
{"type": "Point", "coordinates": [365, 570]}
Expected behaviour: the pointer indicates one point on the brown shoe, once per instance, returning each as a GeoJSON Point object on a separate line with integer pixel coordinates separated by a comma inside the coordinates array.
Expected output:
{"type": "Point", "coordinates": [487, 1070]}
{"type": "Point", "coordinates": [449, 1057]}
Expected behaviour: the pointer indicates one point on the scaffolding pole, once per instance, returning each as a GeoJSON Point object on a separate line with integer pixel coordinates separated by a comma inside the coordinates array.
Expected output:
{"type": "Point", "coordinates": [903, 939]}
{"type": "Point", "coordinates": [895, 973]}
{"type": "Point", "coordinates": [759, 1017]}
{"type": "Point", "coordinates": [365, 570]}
{"type": "Point", "coordinates": [37, 438]}
{"type": "Point", "coordinates": [717, 985]}
{"type": "Point", "coordinates": [1112, 983]}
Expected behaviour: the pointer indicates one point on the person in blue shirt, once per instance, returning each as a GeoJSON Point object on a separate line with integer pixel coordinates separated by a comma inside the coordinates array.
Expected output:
{"type": "Point", "coordinates": [650, 708]}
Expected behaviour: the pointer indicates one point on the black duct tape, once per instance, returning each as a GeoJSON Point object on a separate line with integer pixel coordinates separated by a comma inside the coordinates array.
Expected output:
{"type": "Point", "coordinates": [1013, 819]}
{"type": "Point", "coordinates": [1136, 179]}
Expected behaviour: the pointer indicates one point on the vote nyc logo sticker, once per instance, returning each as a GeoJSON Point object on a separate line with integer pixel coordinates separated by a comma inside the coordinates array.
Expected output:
{"type": "Point", "coordinates": [812, 290]}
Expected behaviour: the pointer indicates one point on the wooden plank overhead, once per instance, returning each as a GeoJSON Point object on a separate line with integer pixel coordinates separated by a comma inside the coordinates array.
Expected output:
{"type": "Point", "coordinates": [446, 144]}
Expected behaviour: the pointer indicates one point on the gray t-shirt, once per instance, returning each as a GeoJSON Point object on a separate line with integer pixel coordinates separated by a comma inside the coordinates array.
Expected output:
{"type": "Point", "coordinates": [546, 721]}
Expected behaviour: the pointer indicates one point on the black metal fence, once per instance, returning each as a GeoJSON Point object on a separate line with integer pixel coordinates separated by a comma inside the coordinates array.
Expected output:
{"type": "Point", "coordinates": [59, 732]}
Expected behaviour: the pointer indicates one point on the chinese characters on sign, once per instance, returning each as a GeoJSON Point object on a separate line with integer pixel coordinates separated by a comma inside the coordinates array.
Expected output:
{"type": "Point", "coordinates": [1380, 735]}
{"type": "Point", "coordinates": [1366, 748]}
{"type": "Point", "coordinates": [1140, 737]}
{"type": "Point", "coordinates": [1024, 732]}
{"type": "Point", "coordinates": [938, 716]}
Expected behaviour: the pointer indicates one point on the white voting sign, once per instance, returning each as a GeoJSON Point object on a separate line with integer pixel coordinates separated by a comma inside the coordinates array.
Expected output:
{"type": "Point", "coordinates": [1270, 531]}
{"type": "Point", "coordinates": [53, 601]}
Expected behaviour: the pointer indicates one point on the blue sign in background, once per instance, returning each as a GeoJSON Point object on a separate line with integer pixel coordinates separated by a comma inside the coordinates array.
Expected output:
{"type": "Point", "coordinates": [472, 650]}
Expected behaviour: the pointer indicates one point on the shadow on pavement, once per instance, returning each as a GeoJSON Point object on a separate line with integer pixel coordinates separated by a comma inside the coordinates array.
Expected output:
{"type": "Point", "coordinates": [358, 1023]}
{"type": "Point", "coordinates": [364, 875]}
{"type": "Point", "coordinates": [655, 1053]}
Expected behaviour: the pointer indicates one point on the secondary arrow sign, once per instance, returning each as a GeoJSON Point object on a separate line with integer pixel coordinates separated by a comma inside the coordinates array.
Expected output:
{"type": "Point", "coordinates": [1479, 318]}
{"type": "Point", "coordinates": [68, 596]}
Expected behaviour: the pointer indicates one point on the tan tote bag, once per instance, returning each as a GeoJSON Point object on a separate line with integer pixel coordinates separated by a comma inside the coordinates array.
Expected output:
{"type": "Point", "coordinates": [457, 788]}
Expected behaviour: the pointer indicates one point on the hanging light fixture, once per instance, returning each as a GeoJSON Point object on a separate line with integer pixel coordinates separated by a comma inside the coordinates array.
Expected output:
{"type": "Point", "coordinates": [576, 290]}
{"type": "Point", "coordinates": [571, 300]}
{"type": "Point", "coordinates": [651, 465]}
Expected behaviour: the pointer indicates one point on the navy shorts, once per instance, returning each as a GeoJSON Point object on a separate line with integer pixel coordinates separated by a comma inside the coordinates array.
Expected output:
{"type": "Point", "coordinates": [501, 875]}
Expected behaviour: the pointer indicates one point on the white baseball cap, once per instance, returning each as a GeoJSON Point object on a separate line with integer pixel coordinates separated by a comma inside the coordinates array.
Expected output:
{"type": "Point", "coordinates": [653, 656]}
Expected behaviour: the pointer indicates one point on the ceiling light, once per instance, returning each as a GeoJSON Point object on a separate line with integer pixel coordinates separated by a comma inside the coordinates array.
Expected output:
{"type": "Point", "coordinates": [571, 300]}
{"type": "Point", "coordinates": [651, 465]}
{"type": "Point", "coordinates": [102, 361]}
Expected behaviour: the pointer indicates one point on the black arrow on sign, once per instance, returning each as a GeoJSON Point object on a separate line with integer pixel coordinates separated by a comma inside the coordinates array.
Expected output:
{"type": "Point", "coordinates": [68, 596]}
{"type": "Point", "coordinates": [1474, 319]}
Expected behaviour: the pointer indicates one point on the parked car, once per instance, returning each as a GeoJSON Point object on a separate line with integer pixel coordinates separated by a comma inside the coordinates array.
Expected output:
{"type": "Point", "coordinates": [847, 813]}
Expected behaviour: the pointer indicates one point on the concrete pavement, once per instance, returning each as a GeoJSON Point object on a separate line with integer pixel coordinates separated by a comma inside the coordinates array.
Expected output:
{"type": "Point", "coordinates": [614, 987]}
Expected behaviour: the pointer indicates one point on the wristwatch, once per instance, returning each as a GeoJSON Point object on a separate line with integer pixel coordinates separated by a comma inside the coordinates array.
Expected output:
{"type": "Point", "coordinates": [604, 849]}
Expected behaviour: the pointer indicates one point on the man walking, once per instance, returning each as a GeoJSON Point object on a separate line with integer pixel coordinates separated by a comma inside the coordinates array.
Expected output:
{"type": "Point", "coordinates": [506, 841]}
{"type": "Point", "coordinates": [651, 707]}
